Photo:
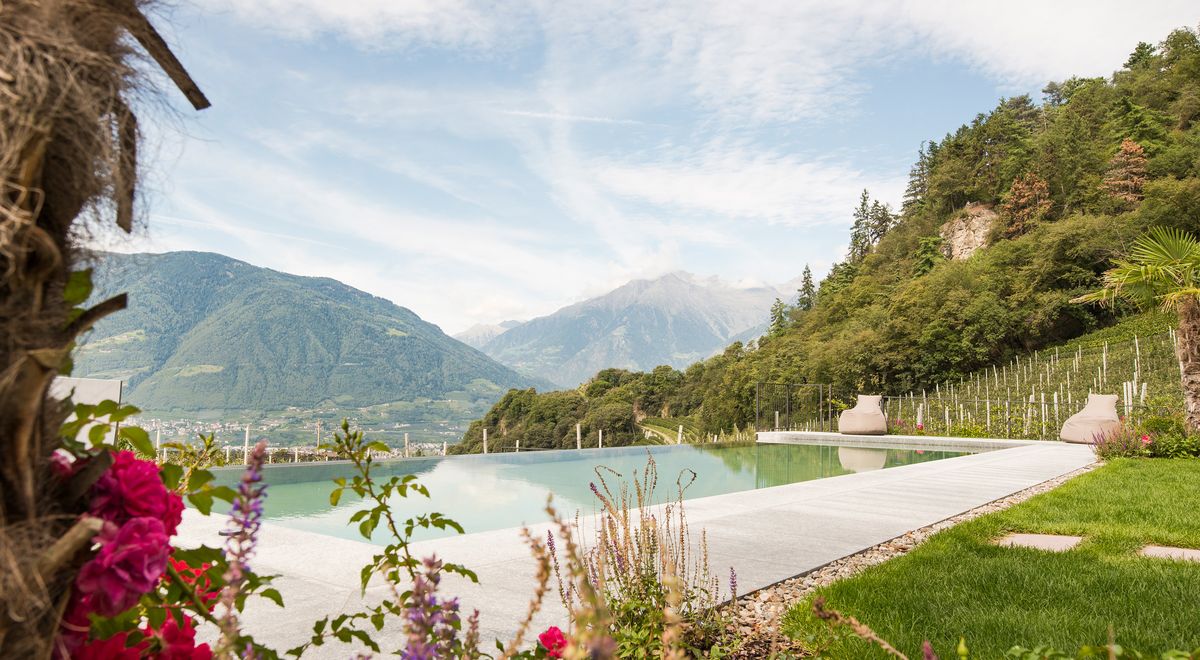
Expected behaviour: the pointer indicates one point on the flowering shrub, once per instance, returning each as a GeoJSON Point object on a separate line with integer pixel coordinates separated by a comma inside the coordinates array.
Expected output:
{"type": "Point", "coordinates": [1123, 442]}
{"type": "Point", "coordinates": [134, 595]}
{"type": "Point", "coordinates": [1175, 445]}
{"type": "Point", "coordinates": [654, 586]}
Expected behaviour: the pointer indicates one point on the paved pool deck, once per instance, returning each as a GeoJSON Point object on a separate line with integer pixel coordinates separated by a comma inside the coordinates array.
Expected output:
{"type": "Point", "coordinates": [766, 535]}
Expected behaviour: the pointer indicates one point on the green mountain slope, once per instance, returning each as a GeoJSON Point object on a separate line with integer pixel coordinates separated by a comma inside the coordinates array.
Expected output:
{"type": "Point", "coordinates": [1005, 220]}
{"type": "Point", "coordinates": [206, 332]}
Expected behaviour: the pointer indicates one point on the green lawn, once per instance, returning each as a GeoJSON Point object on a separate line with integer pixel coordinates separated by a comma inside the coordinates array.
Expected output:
{"type": "Point", "coordinates": [958, 583]}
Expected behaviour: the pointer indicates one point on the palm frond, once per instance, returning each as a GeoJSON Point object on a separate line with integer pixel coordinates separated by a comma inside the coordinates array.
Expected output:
{"type": "Point", "coordinates": [1172, 299]}
{"type": "Point", "coordinates": [1163, 268]}
{"type": "Point", "coordinates": [1166, 246]}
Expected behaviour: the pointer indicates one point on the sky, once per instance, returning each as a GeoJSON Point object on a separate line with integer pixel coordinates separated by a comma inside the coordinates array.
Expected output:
{"type": "Point", "coordinates": [480, 161]}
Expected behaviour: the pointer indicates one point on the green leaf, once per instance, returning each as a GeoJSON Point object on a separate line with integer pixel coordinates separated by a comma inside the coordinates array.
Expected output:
{"type": "Point", "coordinates": [171, 474]}
{"type": "Point", "coordinates": [138, 438]}
{"type": "Point", "coordinates": [195, 557]}
{"type": "Point", "coordinates": [272, 594]}
{"type": "Point", "coordinates": [78, 287]}
{"type": "Point", "coordinates": [157, 616]}
{"type": "Point", "coordinates": [199, 478]}
{"type": "Point", "coordinates": [335, 496]}
{"type": "Point", "coordinates": [105, 407]}
{"type": "Point", "coordinates": [97, 434]}
{"type": "Point", "coordinates": [224, 493]}
{"type": "Point", "coordinates": [202, 501]}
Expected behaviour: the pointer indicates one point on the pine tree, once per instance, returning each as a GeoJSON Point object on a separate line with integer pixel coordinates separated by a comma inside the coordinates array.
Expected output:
{"type": "Point", "coordinates": [1144, 125]}
{"type": "Point", "coordinates": [860, 231]}
{"type": "Point", "coordinates": [778, 318]}
{"type": "Point", "coordinates": [806, 296]}
{"type": "Point", "coordinates": [1027, 202]}
{"type": "Point", "coordinates": [880, 222]}
{"type": "Point", "coordinates": [929, 253]}
{"type": "Point", "coordinates": [918, 181]}
{"type": "Point", "coordinates": [1126, 172]}
{"type": "Point", "coordinates": [1142, 54]}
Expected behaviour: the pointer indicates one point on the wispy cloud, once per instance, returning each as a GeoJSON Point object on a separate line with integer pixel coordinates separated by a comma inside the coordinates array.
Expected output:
{"type": "Point", "coordinates": [380, 24]}
{"type": "Point", "coordinates": [561, 116]}
{"type": "Point", "coordinates": [743, 183]}
{"type": "Point", "coordinates": [485, 160]}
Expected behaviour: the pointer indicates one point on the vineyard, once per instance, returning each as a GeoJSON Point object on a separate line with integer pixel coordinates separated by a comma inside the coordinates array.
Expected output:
{"type": "Point", "coordinates": [1031, 396]}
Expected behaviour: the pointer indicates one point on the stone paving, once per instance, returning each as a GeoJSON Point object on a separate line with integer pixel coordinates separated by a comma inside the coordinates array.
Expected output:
{"type": "Point", "coordinates": [766, 535]}
{"type": "Point", "coordinates": [1048, 542]}
{"type": "Point", "coordinates": [1165, 552]}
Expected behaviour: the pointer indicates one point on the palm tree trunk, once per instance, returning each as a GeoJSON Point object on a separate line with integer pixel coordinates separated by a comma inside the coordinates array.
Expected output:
{"type": "Point", "coordinates": [1188, 351]}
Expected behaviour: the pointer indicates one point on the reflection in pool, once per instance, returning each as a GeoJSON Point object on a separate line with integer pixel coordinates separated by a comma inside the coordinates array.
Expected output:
{"type": "Point", "coordinates": [507, 490]}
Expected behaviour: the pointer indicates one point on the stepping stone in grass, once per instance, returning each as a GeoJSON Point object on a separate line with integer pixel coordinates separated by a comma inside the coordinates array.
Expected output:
{"type": "Point", "coordinates": [1165, 552]}
{"type": "Point", "coordinates": [1049, 542]}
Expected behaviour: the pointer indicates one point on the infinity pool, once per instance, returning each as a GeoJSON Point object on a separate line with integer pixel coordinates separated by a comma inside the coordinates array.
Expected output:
{"type": "Point", "coordinates": [497, 491]}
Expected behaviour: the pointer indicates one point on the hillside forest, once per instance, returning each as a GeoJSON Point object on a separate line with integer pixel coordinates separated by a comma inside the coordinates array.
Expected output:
{"type": "Point", "coordinates": [1066, 185]}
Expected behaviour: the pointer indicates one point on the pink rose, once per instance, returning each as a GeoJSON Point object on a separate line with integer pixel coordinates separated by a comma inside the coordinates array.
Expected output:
{"type": "Point", "coordinates": [554, 641]}
{"type": "Point", "coordinates": [1145, 439]}
{"type": "Point", "coordinates": [920, 427]}
{"type": "Point", "coordinates": [132, 488]}
{"type": "Point", "coordinates": [129, 564]}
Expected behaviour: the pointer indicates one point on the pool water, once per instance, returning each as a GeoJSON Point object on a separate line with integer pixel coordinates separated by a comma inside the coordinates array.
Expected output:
{"type": "Point", "coordinates": [498, 491]}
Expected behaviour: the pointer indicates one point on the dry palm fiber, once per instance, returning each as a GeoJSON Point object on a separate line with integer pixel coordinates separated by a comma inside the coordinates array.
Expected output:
{"type": "Point", "coordinates": [68, 160]}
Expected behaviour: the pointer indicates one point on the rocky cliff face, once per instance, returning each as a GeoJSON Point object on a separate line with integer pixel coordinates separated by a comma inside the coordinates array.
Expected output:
{"type": "Point", "coordinates": [968, 231]}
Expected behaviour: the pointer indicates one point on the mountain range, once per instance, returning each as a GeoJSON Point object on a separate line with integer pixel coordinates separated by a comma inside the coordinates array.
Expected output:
{"type": "Point", "coordinates": [480, 334]}
{"type": "Point", "coordinates": [676, 319]}
{"type": "Point", "coordinates": [206, 332]}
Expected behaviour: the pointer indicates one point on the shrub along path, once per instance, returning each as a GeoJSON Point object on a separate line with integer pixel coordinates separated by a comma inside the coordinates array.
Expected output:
{"type": "Point", "coordinates": [960, 583]}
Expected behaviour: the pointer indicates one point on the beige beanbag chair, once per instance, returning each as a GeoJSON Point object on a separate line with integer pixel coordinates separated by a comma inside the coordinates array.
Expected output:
{"type": "Point", "coordinates": [865, 418]}
{"type": "Point", "coordinates": [859, 459]}
{"type": "Point", "coordinates": [1098, 417]}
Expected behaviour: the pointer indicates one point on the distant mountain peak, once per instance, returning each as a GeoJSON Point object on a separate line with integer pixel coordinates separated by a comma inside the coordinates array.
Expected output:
{"type": "Point", "coordinates": [676, 318]}
{"type": "Point", "coordinates": [481, 333]}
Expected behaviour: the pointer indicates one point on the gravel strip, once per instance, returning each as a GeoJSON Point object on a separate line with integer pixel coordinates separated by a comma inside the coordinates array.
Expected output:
{"type": "Point", "coordinates": [756, 616]}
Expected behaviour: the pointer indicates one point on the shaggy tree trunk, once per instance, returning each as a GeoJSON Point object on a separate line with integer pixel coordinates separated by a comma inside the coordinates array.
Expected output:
{"type": "Point", "coordinates": [1188, 351]}
{"type": "Point", "coordinates": [69, 152]}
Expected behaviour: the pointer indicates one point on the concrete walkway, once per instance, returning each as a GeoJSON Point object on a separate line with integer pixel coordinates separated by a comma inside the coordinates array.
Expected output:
{"type": "Point", "coordinates": [766, 535]}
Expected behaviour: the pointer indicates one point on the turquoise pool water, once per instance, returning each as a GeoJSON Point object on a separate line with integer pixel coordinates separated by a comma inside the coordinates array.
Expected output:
{"type": "Point", "coordinates": [507, 490]}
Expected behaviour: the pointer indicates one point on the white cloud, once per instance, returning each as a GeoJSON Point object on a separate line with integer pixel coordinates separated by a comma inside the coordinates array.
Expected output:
{"type": "Point", "coordinates": [1035, 41]}
{"type": "Point", "coordinates": [646, 136]}
{"type": "Point", "coordinates": [390, 24]}
{"type": "Point", "coordinates": [742, 183]}
{"type": "Point", "coordinates": [767, 61]}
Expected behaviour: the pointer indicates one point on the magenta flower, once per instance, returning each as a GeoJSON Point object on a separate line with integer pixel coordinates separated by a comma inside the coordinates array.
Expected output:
{"type": "Point", "coordinates": [1145, 439]}
{"type": "Point", "coordinates": [132, 488]}
{"type": "Point", "coordinates": [554, 641]}
{"type": "Point", "coordinates": [129, 564]}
